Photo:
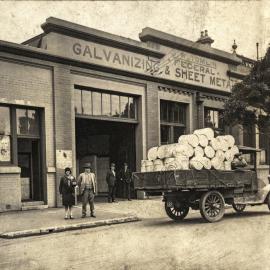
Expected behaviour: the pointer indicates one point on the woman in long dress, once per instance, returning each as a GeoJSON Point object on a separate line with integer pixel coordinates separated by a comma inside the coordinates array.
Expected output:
{"type": "Point", "coordinates": [67, 190]}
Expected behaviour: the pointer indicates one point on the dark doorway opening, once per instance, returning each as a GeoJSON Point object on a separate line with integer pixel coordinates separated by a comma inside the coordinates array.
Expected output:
{"type": "Point", "coordinates": [102, 142]}
{"type": "Point", "coordinates": [29, 162]}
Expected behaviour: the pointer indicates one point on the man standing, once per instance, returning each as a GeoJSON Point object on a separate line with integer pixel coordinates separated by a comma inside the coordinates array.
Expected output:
{"type": "Point", "coordinates": [125, 177]}
{"type": "Point", "coordinates": [111, 181]}
{"type": "Point", "coordinates": [87, 184]}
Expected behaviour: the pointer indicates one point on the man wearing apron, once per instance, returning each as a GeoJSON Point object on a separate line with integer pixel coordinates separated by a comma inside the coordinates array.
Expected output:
{"type": "Point", "coordinates": [87, 184]}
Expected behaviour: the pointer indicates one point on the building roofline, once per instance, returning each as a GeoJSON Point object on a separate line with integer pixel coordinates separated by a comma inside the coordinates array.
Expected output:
{"type": "Point", "coordinates": [246, 58]}
{"type": "Point", "coordinates": [86, 33]}
{"type": "Point", "coordinates": [53, 24]}
{"type": "Point", "coordinates": [150, 34]}
{"type": "Point", "coordinates": [33, 39]}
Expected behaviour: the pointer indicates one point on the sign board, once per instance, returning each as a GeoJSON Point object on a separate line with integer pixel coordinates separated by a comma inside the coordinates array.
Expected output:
{"type": "Point", "coordinates": [176, 65]}
{"type": "Point", "coordinates": [63, 159]}
{"type": "Point", "coordinates": [5, 148]}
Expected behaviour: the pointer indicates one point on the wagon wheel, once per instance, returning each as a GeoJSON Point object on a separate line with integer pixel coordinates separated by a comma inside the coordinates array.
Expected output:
{"type": "Point", "coordinates": [268, 200]}
{"type": "Point", "coordinates": [176, 210]}
{"type": "Point", "coordinates": [239, 208]}
{"type": "Point", "coordinates": [212, 206]}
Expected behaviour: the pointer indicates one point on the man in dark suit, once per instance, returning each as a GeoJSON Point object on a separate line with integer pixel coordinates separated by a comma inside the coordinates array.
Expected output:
{"type": "Point", "coordinates": [125, 177]}
{"type": "Point", "coordinates": [111, 181]}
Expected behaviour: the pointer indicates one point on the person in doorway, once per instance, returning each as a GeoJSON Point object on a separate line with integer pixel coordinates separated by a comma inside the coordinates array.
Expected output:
{"type": "Point", "coordinates": [88, 187]}
{"type": "Point", "coordinates": [125, 177]}
{"type": "Point", "coordinates": [111, 181]}
{"type": "Point", "coordinates": [239, 162]}
{"type": "Point", "coordinates": [67, 190]}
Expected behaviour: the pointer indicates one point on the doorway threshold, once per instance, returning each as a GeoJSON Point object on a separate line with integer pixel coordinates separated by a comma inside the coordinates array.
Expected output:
{"type": "Point", "coordinates": [33, 205]}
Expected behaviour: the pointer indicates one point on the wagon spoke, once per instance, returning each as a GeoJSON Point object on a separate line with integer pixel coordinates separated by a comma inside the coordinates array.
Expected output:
{"type": "Point", "coordinates": [212, 206]}
{"type": "Point", "coordinates": [177, 211]}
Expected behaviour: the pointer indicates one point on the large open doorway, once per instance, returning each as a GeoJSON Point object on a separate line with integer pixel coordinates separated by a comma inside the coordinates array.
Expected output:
{"type": "Point", "coordinates": [102, 142]}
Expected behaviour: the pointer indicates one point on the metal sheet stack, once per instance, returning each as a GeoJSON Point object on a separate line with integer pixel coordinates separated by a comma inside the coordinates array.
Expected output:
{"type": "Point", "coordinates": [200, 150]}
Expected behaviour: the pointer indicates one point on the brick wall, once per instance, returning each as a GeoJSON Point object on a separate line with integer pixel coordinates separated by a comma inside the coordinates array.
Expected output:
{"type": "Point", "coordinates": [51, 187]}
{"type": "Point", "coordinates": [28, 84]}
{"type": "Point", "coordinates": [63, 116]}
{"type": "Point", "coordinates": [152, 115]}
{"type": "Point", "coordinates": [10, 189]}
{"type": "Point", "coordinates": [200, 115]}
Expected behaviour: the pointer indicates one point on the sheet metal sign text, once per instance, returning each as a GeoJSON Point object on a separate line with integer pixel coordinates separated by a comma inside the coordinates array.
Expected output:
{"type": "Point", "coordinates": [175, 65]}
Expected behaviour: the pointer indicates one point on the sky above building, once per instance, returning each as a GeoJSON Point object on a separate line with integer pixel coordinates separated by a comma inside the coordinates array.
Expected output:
{"type": "Point", "coordinates": [247, 22]}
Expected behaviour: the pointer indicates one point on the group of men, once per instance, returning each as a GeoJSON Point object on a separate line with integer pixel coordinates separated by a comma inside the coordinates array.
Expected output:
{"type": "Point", "coordinates": [87, 185]}
{"type": "Point", "coordinates": [112, 178]}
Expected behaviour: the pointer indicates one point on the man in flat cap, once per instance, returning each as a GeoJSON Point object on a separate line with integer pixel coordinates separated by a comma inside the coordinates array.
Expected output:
{"type": "Point", "coordinates": [239, 162]}
{"type": "Point", "coordinates": [125, 177]}
{"type": "Point", "coordinates": [111, 181]}
{"type": "Point", "coordinates": [88, 187]}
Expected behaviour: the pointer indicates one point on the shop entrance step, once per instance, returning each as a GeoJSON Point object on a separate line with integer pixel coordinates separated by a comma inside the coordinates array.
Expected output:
{"type": "Point", "coordinates": [33, 205]}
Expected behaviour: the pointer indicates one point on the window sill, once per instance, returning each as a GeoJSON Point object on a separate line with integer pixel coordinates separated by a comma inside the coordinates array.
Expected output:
{"type": "Point", "coordinates": [10, 169]}
{"type": "Point", "coordinates": [172, 124]}
{"type": "Point", "coordinates": [51, 169]}
{"type": "Point", "coordinates": [104, 118]}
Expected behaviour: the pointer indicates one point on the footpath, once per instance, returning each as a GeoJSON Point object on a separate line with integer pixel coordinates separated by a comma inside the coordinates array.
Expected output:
{"type": "Point", "coordinates": [16, 224]}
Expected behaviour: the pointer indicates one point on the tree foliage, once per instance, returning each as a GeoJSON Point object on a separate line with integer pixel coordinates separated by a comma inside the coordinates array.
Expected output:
{"type": "Point", "coordinates": [249, 102]}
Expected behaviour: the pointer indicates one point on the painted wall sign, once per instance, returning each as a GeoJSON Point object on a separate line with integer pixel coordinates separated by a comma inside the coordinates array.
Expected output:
{"type": "Point", "coordinates": [176, 65]}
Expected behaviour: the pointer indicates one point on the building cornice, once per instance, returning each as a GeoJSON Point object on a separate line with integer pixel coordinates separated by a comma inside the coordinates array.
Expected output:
{"type": "Point", "coordinates": [149, 34]}
{"type": "Point", "coordinates": [236, 74]}
{"type": "Point", "coordinates": [175, 90]}
{"type": "Point", "coordinates": [215, 98]}
{"type": "Point", "coordinates": [89, 34]}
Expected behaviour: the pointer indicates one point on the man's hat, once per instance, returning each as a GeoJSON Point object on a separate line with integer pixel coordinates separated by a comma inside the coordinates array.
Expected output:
{"type": "Point", "coordinates": [87, 165]}
{"type": "Point", "coordinates": [238, 154]}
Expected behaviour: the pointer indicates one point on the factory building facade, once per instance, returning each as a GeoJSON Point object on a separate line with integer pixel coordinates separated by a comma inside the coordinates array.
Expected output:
{"type": "Point", "coordinates": [74, 94]}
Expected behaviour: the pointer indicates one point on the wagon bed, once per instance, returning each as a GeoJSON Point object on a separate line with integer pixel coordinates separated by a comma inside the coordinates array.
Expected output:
{"type": "Point", "coordinates": [194, 179]}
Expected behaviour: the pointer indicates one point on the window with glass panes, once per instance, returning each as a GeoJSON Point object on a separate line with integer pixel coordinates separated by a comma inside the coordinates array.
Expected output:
{"type": "Point", "coordinates": [16, 123]}
{"type": "Point", "coordinates": [214, 118]}
{"type": "Point", "coordinates": [104, 104]}
{"type": "Point", "coordinates": [27, 122]}
{"type": "Point", "coordinates": [172, 121]}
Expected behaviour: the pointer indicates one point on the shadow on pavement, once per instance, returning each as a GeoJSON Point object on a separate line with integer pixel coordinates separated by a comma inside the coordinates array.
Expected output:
{"type": "Point", "coordinates": [168, 222]}
{"type": "Point", "coordinates": [199, 220]}
{"type": "Point", "coordinates": [246, 214]}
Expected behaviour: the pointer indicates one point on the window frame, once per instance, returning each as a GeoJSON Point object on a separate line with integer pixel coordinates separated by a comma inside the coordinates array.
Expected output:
{"type": "Point", "coordinates": [28, 136]}
{"type": "Point", "coordinates": [4, 163]}
{"type": "Point", "coordinates": [172, 124]}
{"type": "Point", "coordinates": [218, 129]}
{"type": "Point", "coordinates": [14, 135]}
{"type": "Point", "coordinates": [108, 117]}
{"type": "Point", "coordinates": [81, 107]}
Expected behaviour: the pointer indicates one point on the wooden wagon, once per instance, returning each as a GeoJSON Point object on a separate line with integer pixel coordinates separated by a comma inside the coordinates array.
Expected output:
{"type": "Point", "coordinates": [206, 190]}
